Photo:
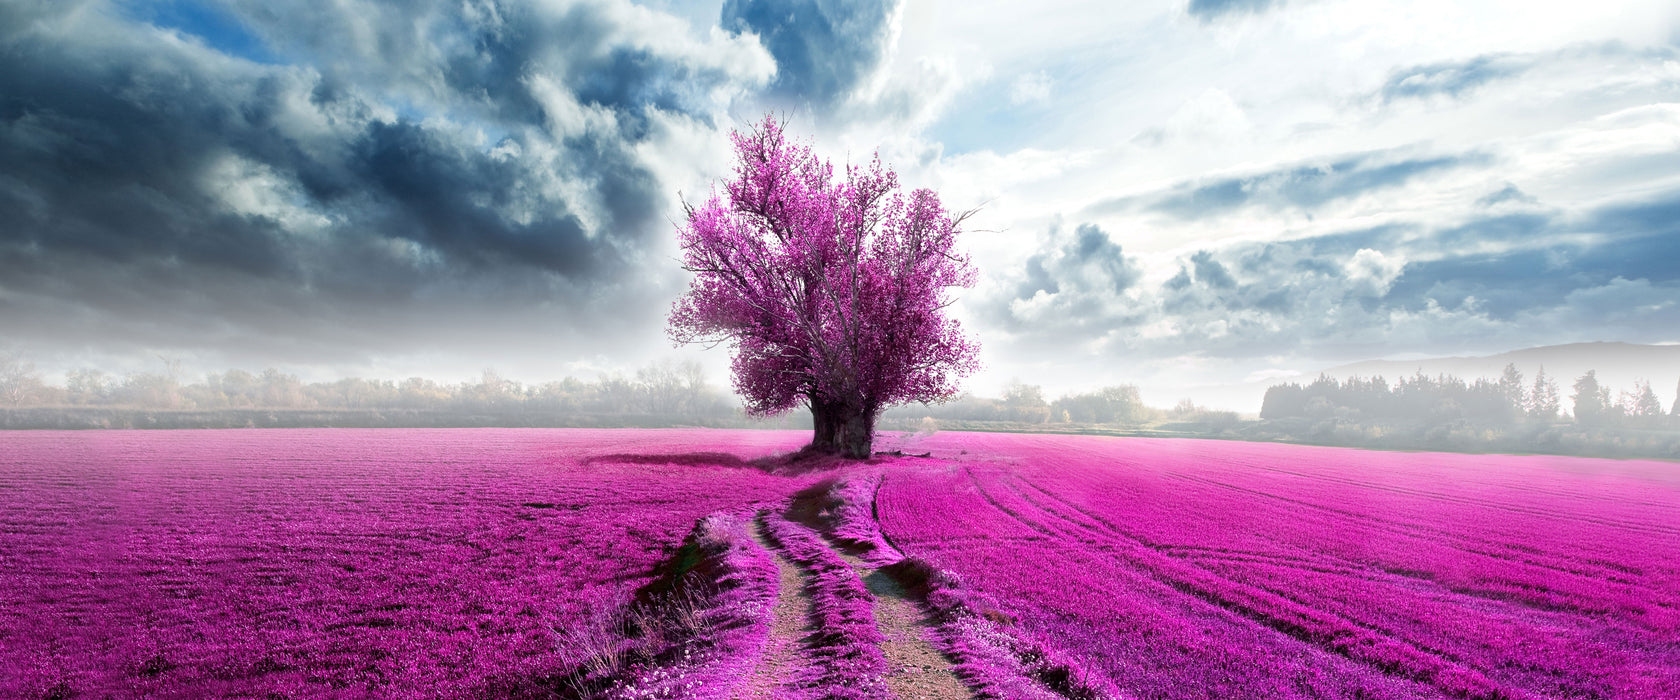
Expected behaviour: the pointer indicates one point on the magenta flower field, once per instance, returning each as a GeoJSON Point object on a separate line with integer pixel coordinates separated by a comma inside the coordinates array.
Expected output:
{"type": "Point", "coordinates": [1203, 569]}
{"type": "Point", "coordinates": [624, 564]}
{"type": "Point", "coordinates": [336, 562]}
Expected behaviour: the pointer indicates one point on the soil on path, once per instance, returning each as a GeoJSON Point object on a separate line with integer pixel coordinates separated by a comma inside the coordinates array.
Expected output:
{"type": "Point", "coordinates": [916, 670]}
{"type": "Point", "coordinates": [790, 625]}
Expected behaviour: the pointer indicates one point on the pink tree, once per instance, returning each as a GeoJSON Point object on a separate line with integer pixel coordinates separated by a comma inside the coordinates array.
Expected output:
{"type": "Point", "coordinates": [832, 292]}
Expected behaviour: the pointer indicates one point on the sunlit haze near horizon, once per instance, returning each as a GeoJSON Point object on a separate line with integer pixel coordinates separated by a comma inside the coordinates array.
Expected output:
{"type": "Point", "coordinates": [1201, 198]}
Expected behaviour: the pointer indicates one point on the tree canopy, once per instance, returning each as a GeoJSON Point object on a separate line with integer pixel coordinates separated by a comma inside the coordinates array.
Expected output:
{"type": "Point", "coordinates": [832, 291]}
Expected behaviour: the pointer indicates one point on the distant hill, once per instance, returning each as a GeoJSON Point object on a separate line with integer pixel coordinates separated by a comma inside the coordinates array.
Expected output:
{"type": "Point", "coordinates": [1618, 366]}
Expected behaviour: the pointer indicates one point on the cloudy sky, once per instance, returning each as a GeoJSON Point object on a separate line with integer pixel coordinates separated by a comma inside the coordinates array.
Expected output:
{"type": "Point", "coordinates": [1198, 196]}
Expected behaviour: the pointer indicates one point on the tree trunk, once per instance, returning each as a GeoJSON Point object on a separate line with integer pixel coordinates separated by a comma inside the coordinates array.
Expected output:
{"type": "Point", "coordinates": [841, 429]}
{"type": "Point", "coordinates": [855, 435]}
{"type": "Point", "coordinates": [822, 421]}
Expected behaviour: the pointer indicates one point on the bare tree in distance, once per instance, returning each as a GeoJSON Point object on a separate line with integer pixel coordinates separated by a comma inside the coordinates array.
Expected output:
{"type": "Point", "coordinates": [18, 379]}
{"type": "Point", "coordinates": [87, 386]}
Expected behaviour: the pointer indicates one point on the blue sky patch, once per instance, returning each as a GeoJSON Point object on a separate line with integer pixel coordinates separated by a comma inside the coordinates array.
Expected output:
{"type": "Point", "coordinates": [216, 26]}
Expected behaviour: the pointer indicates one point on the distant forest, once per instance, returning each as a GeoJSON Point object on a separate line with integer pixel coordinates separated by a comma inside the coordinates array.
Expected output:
{"type": "Point", "coordinates": [659, 394]}
{"type": "Point", "coordinates": [1446, 401]}
{"type": "Point", "coordinates": [1511, 414]}
{"type": "Point", "coordinates": [1447, 413]}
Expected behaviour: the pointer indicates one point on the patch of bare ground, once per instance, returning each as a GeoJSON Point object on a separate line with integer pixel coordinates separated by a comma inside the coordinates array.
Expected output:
{"type": "Point", "coordinates": [916, 670]}
{"type": "Point", "coordinates": [790, 625]}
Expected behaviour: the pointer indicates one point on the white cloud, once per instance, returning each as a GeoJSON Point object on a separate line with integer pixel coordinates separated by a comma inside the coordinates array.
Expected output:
{"type": "Point", "coordinates": [1210, 119]}
{"type": "Point", "coordinates": [1191, 145]}
{"type": "Point", "coordinates": [1271, 376]}
{"type": "Point", "coordinates": [1371, 274]}
{"type": "Point", "coordinates": [1031, 87]}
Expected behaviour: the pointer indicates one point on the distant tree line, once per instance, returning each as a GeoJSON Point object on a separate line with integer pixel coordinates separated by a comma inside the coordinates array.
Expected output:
{"type": "Point", "coordinates": [1510, 413]}
{"type": "Point", "coordinates": [675, 390]}
{"type": "Point", "coordinates": [661, 389]}
{"type": "Point", "coordinates": [664, 389]}
{"type": "Point", "coordinates": [1120, 405]}
{"type": "Point", "coordinates": [1025, 403]}
{"type": "Point", "coordinates": [1451, 401]}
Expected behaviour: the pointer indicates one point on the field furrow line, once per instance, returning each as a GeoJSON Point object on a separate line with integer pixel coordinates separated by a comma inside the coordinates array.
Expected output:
{"type": "Point", "coordinates": [1434, 535]}
{"type": "Point", "coordinates": [1030, 523]}
{"type": "Point", "coordinates": [1354, 639]}
{"type": "Point", "coordinates": [986, 659]}
{"type": "Point", "coordinates": [1648, 528]}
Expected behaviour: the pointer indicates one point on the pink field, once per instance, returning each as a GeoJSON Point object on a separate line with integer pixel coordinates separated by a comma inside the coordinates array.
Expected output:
{"type": "Point", "coordinates": [413, 563]}
{"type": "Point", "coordinates": [470, 563]}
{"type": "Point", "coordinates": [1205, 569]}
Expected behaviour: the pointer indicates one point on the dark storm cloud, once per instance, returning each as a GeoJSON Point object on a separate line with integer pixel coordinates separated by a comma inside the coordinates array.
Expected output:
{"type": "Point", "coordinates": [1456, 79]}
{"type": "Point", "coordinates": [1346, 243]}
{"type": "Point", "coordinates": [1210, 271]}
{"type": "Point", "coordinates": [1088, 259]}
{"type": "Point", "coordinates": [1508, 193]}
{"type": "Point", "coordinates": [823, 48]}
{"type": "Point", "coordinates": [1527, 276]}
{"type": "Point", "coordinates": [1092, 249]}
{"type": "Point", "coordinates": [1541, 258]}
{"type": "Point", "coordinates": [414, 165]}
{"type": "Point", "coordinates": [1037, 279]}
{"type": "Point", "coordinates": [427, 188]}
{"type": "Point", "coordinates": [1514, 285]}
{"type": "Point", "coordinates": [1637, 241]}
{"type": "Point", "coordinates": [1656, 217]}
{"type": "Point", "coordinates": [106, 157]}
{"type": "Point", "coordinates": [1453, 79]}
{"type": "Point", "coordinates": [482, 56]}
{"type": "Point", "coordinates": [1208, 10]}
{"type": "Point", "coordinates": [1305, 186]}
{"type": "Point", "coordinates": [19, 15]}
{"type": "Point", "coordinates": [1078, 273]}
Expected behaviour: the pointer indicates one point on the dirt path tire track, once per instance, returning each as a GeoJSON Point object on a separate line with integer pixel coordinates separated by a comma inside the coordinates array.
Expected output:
{"type": "Point", "coordinates": [918, 671]}
{"type": "Point", "coordinates": [790, 625]}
